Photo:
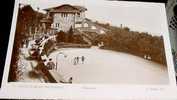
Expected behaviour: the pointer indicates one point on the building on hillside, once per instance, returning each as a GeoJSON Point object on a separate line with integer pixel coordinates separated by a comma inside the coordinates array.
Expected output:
{"type": "Point", "coordinates": [66, 16]}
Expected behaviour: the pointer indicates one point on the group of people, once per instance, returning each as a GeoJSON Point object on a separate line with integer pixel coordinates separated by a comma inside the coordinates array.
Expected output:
{"type": "Point", "coordinates": [50, 66]}
{"type": "Point", "coordinates": [77, 60]}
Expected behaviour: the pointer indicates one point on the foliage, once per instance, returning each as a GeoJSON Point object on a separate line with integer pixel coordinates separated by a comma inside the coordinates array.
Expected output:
{"type": "Point", "coordinates": [78, 39]}
{"type": "Point", "coordinates": [33, 74]}
{"type": "Point", "coordinates": [137, 43]}
{"type": "Point", "coordinates": [48, 46]}
{"type": "Point", "coordinates": [61, 37]}
{"type": "Point", "coordinates": [27, 17]}
{"type": "Point", "coordinates": [69, 37]}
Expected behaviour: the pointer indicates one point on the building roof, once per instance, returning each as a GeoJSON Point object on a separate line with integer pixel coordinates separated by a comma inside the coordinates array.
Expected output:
{"type": "Point", "coordinates": [66, 8]}
{"type": "Point", "coordinates": [81, 8]}
{"type": "Point", "coordinates": [46, 20]}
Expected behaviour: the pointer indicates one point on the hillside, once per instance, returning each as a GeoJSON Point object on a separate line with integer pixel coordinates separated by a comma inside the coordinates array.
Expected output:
{"type": "Point", "coordinates": [137, 43]}
{"type": "Point", "coordinates": [122, 39]}
{"type": "Point", "coordinates": [27, 18]}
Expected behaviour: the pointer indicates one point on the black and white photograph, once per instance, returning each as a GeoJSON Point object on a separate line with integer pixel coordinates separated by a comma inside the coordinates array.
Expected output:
{"type": "Point", "coordinates": [88, 42]}
{"type": "Point", "coordinates": [90, 49]}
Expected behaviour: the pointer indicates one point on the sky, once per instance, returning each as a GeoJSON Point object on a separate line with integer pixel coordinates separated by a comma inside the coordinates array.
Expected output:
{"type": "Point", "coordinates": [142, 17]}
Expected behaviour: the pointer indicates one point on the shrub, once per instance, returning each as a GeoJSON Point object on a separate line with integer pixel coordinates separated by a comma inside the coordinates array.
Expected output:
{"type": "Point", "coordinates": [61, 37]}
{"type": "Point", "coordinates": [48, 46]}
{"type": "Point", "coordinates": [33, 74]}
{"type": "Point", "coordinates": [70, 35]}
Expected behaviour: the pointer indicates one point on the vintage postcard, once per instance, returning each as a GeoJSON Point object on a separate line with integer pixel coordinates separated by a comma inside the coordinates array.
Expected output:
{"type": "Point", "coordinates": [89, 42]}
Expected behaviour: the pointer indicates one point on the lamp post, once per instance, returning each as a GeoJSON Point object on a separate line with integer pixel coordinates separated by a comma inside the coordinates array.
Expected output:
{"type": "Point", "coordinates": [60, 53]}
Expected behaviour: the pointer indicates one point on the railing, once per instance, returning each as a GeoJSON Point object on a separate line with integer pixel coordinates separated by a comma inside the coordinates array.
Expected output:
{"type": "Point", "coordinates": [48, 75]}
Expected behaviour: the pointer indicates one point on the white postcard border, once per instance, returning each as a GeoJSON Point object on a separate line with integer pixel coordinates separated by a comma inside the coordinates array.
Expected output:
{"type": "Point", "coordinates": [50, 90]}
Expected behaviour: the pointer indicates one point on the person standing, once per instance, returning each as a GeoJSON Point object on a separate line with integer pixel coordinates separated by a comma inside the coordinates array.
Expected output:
{"type": "Point", "coordinates": [77, 60]}
{"type": "Point", "coordinates": [83, 59]}
{"type": "Point", "coordinates": [50, 64]}
{"type": "Point", "coordinates": [70, 80]}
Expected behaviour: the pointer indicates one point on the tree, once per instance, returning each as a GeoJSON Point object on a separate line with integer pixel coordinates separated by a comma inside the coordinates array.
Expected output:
{"type": "Point", "coordinates": [70, 35]}
{"type": "Point", "coordinates": [136, 43]}
{"type": "Point", "coordinates": [60, 37]}
{"type": "Point", "coordinates": [25, 20]}
{"type": "Point", "coordinates": [126, 29]}
{"type": "Point", "coordinates": [48, 46]}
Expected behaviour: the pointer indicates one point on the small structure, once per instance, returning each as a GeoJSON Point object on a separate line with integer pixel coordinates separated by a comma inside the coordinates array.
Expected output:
{"type": "Point", "coordinates": [89, 26]}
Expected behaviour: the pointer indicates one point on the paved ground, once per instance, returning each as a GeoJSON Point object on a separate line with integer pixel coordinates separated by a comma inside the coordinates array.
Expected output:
{"type": "Point", "coordinates": [105, 66]}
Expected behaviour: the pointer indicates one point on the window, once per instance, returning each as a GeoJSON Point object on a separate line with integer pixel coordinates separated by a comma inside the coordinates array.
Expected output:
{"type": "Point", "coordinates": [85, 25]}
{"type": "Point", "coordinates": [93, 27]}
{"type": "Point", "coordinates": [57, 24]}
{"type": "Point", "coordinates": [64, 15]}
{"type": "Point", "coordinates": [78, 14]}
{"type": "Point", "coordinates": [78, 25]}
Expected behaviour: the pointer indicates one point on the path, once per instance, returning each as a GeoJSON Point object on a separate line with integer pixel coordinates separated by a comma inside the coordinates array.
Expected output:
{"type": "Point", "coordinates": [104, 66]}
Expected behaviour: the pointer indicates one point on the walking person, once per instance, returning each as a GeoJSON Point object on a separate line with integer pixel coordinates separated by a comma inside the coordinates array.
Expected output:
{"type": "Point", "coordinates": [70, 80]}
{"type": "Point", "coordinates": [83, 59]}
{"type": "Point", "coordinates": [77, 59]}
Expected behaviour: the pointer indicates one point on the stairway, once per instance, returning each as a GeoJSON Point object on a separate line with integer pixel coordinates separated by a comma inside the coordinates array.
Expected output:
{"type": "Point", "coordinates": [85, 37]}
{"type": "Point", "coordinates": [87, 40]}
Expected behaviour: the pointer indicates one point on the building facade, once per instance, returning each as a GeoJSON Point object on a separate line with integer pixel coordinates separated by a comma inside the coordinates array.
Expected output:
{"type": "Point", "coordinates": [66, 16]}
